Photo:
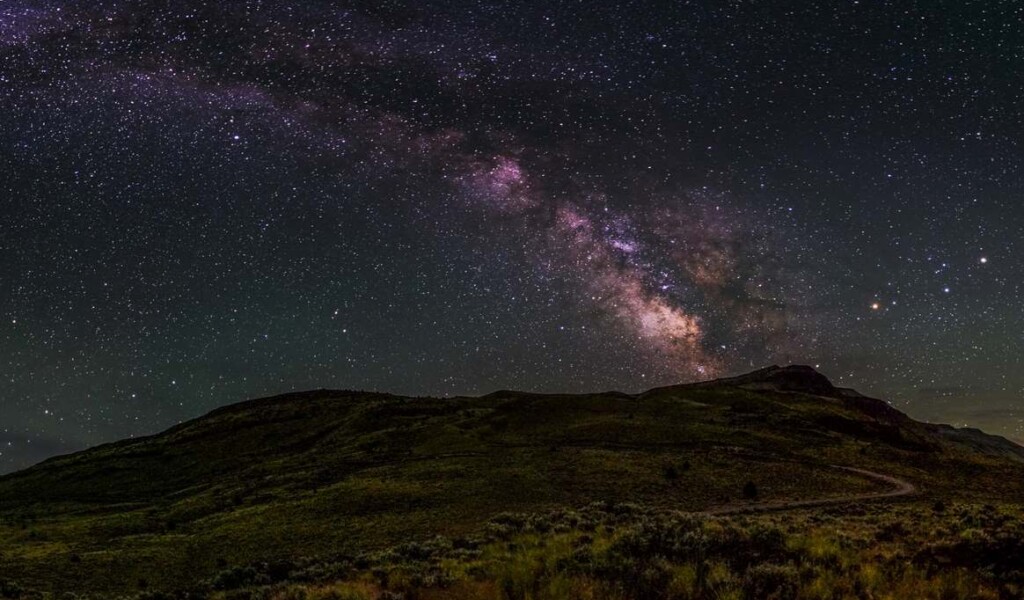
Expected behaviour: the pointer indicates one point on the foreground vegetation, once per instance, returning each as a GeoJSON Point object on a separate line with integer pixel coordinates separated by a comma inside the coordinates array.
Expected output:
{"type": "Point", "coordinates": [626, 551]}
{"type": "Point", "coordinates": [620, 551]}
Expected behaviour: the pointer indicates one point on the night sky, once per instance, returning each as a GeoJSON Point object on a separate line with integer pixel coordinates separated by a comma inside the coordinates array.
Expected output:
{"type": "Point", "coordinates": [206, 202]}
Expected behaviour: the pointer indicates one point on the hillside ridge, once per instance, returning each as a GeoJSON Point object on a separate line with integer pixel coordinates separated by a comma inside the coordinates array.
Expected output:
{"type": "Point", "coordinates": [796, 378]}
{"type": "Point", "coordinates": [324, 472]}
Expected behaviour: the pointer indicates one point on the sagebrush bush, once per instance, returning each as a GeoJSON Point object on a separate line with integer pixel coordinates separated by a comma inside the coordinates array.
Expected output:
{"type": "Point", "coordinates": [769, 581]}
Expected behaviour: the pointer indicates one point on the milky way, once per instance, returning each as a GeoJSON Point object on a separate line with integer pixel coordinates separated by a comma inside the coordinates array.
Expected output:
{"type": "Point", "coordinates": [209, 202]}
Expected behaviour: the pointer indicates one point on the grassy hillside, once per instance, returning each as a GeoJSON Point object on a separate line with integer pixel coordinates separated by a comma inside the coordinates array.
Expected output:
{"type": "Point", "coordinates": [331, 473]}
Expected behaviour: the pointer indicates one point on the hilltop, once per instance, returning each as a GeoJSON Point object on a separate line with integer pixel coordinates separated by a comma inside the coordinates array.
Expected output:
{"type": "Point", "coordinates": [327, 472]}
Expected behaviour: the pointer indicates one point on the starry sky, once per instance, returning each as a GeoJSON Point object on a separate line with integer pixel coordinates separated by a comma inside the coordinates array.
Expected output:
{"type": "Point", "coordinates": [207, 202]}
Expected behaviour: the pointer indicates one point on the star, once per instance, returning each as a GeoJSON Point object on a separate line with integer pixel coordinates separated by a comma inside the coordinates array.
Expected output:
{"type": "Point", "coordinates": [451, 182]}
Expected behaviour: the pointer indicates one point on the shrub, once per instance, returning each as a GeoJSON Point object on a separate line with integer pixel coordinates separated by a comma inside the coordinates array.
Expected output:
{"type": "Point", "coordinates": [767, 541]}
{"type": "Point", "coordinates": [10, 589]}
{"type": "Point", "coordinates": [239, 577]}
{"type": "Point", "coordinates": [891, 531]}
{"type": "Point", "coordinates": [771, 582]}
{"type": "Point", "coordinates": [340, 592]}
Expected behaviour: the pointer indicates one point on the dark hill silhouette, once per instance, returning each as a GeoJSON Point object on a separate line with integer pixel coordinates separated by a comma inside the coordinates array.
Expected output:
{"type": "Point", "coordinates": [328, 471]}
{"type": "Point", "coordinates": [794, 378]}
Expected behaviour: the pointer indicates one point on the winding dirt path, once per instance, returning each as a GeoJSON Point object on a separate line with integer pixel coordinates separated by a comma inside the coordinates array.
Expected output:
{"type": "Point", "coordinates": [900, 488]}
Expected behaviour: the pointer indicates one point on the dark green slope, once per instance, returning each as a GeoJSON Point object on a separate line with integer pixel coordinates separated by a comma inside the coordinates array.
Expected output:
{"type": "Point", "coordinates": [328, 472]}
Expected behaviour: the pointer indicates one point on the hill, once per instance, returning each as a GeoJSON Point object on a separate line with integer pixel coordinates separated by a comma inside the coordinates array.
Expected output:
{"type": "Point", "coordinates": [329, 473]}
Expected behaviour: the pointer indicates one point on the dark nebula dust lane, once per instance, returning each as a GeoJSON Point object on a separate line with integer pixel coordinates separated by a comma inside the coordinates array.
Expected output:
{"type": "Point", "coordinates": [208, 202]}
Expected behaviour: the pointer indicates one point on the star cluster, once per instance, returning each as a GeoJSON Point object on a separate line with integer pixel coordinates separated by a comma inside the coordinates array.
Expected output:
{"type": "Point", "coordinates": [205, 202]}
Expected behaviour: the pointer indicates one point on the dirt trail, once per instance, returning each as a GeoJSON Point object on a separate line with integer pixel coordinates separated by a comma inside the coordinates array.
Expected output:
{"type": "Point", "coordinates": [900, 488]}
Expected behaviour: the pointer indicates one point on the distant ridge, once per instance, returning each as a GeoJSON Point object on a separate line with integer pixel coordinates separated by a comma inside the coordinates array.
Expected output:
{"type": "Point", "coordinates": [793, 378]}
